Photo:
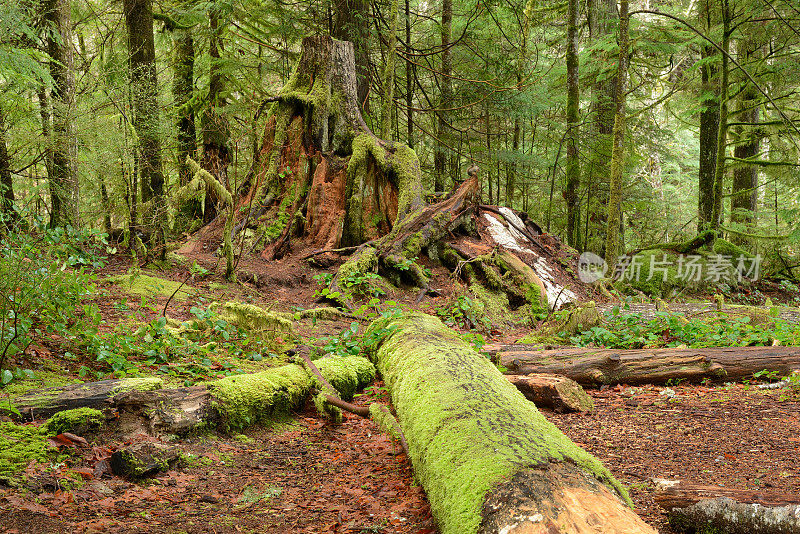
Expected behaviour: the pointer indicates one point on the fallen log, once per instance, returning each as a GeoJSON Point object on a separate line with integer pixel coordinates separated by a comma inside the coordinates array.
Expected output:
{"type": "Point", "coordinates": [558, 393]}
{"type": "Point", "coordinates": [700, 508]}
{"type": "Point", "coordinates": [487, 459]}
{"type": "Point", "coordinates": [232, 402]}
{"type": "Point", "coordinates": [595, 367]}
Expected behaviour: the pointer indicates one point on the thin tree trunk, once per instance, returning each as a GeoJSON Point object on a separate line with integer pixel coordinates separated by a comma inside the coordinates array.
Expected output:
{"type": "Point", "coordinates": [722, 130]}
{"type": "Point", "coordinates": [440, 158]}
{"type": "Point", "coordinates": [410, 73]}
{"type": "Point", "coordinates": [63, 178]}
{"type": "Point", "coordinates": [613, 233]}
{"type": "Point", "coordinates": [7, 213]}
{"type": "Point", "coordinates": [216, 133]}
{"type": "Point", "coordinates": [144, 99]}
{"type": "Point", "coordinates": [388, 73]}
{"type": "Point", "coordinates": [182, 90]}
{"type": "Point", "coordinates": [709, 128]}
{"type": "Point", "coordinates": [572, 138]}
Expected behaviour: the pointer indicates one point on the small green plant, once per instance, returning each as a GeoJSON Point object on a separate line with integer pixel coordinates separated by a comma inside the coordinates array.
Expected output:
{"type": "Point", "coordinates": [464, 312]}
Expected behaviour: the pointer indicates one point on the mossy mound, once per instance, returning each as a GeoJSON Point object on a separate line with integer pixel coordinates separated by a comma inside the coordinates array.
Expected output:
{"type": "Point", "coordinates": [467, 427]}
{"type": "Point", "coordinates": [143, 285]}
{"type": "Point", "coordinates": [254, 318]}
{"type": "Point", "coordinates": [77, 421]}
{"type": "Point", "coordinates": [19, 446]}
{"type": "Point", "coordinates": [244, 400]}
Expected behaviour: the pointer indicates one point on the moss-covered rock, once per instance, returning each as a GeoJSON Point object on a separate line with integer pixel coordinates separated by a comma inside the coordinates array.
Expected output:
{"type": "Point", "coordinates": [77, 420]}
{"type": "Point", "coordinates": [467, 427]}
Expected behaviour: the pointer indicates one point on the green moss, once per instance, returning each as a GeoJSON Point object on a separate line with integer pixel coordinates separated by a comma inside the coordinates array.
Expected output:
{"type": "Point", "coordinates": [565, 323]}
{"type": "Point", "coordinates": [253, 318]}
{"type": "Point", "coordinates": [19, 446]}
{"type": "Point", "coordinates": [460, 444]}
{"type": "Point", "coordinates": [243, 400]}
{"type": "Point", "coordinates": [726, 248]}
{"type": "Point", "coordinates": [40, 380]}
{"type": "Point", "coordinates": [492, 304]}
{"type": "Point", "coordinates": [381, 416]}
{"type": "Point", "coordinates": [322, 313]}
{"type": "Point", "coordinates": [143, 285]}
{"type": "Point", "coordinates": [149, 383]}
{"type": "Point", "coordinates": [72, 420]}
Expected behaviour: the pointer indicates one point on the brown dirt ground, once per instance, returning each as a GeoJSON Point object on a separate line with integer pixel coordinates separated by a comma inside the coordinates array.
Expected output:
{"type": "Point", "coordinates": [309, 476]}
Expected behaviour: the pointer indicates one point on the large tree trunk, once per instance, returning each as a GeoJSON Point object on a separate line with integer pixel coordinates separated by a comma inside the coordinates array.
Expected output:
{"type": "Point", "coordinates": [709, 126]}
{"type": "Point", "coordinates": [573, 129]}
{"type": "Point", "coordinates": [600, 14]}
{"type": "Point", "coordinates": [595, 367]}
{"type": "Point", "coordinates": [146, 122]}
{"type": "Point", "coordinates": [182, 91]}
{"type": "Point", "coordinates": [321, 174]}
{"type": "Point", "coordinates": [63, 178]}
{"type": "Point", "coordinates": [487, 459]}
{"type": "Point", "coordinates": [744, 198]}
{"type": "Point", "coordinates": [722, 131]}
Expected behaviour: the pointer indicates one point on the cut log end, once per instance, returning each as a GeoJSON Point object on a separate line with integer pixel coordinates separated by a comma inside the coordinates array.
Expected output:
{"type": "Point", "coordinates": [557, 498]}
{"type": "Point", "coordinates": [555, 392]}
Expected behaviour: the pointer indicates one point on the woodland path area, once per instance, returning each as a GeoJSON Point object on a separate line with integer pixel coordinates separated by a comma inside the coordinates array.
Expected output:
{"type": "Point", "coordinates": [304, 475]}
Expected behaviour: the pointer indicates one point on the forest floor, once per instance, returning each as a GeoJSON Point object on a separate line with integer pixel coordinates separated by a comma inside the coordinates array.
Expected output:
{"type": "Point", "coordinates": [305, 475]}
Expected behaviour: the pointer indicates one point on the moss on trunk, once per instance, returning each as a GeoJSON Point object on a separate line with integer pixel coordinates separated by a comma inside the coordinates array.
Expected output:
{"type": "Point", "coordinates": [468, 428]}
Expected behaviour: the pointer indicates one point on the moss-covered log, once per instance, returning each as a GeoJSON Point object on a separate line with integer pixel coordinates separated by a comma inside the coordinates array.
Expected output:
{"type": "Point", "coordinates": [229, 403]}
{"type": "Point", "coordinates": [488, 460]}
{"type": "Point", "coordinates": [595, 367]}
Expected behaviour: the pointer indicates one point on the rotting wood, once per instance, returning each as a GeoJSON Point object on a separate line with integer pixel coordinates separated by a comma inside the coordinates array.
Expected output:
{"type": "Point", "coordinates": [487, 459]}
{"type": "Point", "coordinates": [558, 393]}
{"type": "Point", "coordinates": [595, 367]}
{"type": "Point", "coordinates": [696, 507]}
{"type": "Point", "coordinates": [229, 403]}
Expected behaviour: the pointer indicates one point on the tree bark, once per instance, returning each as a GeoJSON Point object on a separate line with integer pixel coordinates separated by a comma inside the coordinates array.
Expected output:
{"type": "Point", "coordinates": [182, 91]}
{"type": "Point", "coordinates": [613, 229]}
{"type": "Point", "coordinates": [573, 133]}
{"type": "Point", "coordinates": [389, 73]}
{"type": "Point", "coordinates": [695, 508]}
{"type": "Point", "coordinates": [216, 133]}
{"type": "Point", "coordinates": [146, 122]}
{"type": "Point", "coordinates": [487, 459]}
{"type": "Point", "coordinates": [601, 15]}
{"type": "Point", "coordinates": [744, 198]}
{"type": "Point", "coordinates": [595, 367]}
{"type": "Point", "coordinates": [64, 174]}
{"type": "Point", "coordinates": [709, 127]}
{"type": "Point", "coordinates": [558, 393]}
{"type": "Point", "coordinates": [722, 130]}
{"type": "Point", "coordinates": [233, 402]}
{"type": "Point", "coordinates": [351, 23]}
{"type": "Point", "coordinates": [7, 213]}
{"type": "Point", "coordinates": [440, 157]}
{"type": "Point", "coordinates": [321, 174]}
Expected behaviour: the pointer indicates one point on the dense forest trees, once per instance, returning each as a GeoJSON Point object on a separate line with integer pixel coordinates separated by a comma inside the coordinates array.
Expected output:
{"type": "Point", "coordinates": [612, 131]}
